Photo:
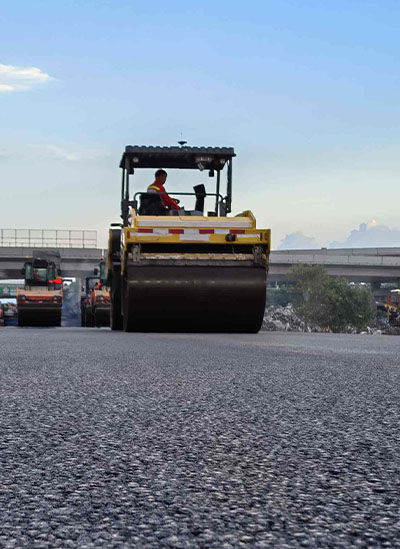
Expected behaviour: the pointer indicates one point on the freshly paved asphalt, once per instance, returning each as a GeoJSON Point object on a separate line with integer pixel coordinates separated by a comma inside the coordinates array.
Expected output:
{"type": "Point", "coordinates": [145, 440]}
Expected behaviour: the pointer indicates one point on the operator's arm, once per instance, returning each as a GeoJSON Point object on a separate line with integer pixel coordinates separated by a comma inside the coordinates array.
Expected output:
{"type": "Point", "coordinates": [170, 202]}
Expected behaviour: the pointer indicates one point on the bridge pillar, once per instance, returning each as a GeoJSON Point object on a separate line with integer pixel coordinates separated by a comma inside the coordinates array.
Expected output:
{"type": "Point", "coordinates": [376, 290]}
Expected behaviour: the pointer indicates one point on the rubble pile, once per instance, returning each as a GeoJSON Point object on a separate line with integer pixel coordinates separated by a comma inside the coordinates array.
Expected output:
{"type": "Point", "coordinates": [392, 330]}
{"type": "Point", "coordinates": [283, 319]}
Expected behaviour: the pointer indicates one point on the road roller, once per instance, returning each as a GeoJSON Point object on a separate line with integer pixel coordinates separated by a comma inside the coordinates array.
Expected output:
{"type": "Point", "coordinates": [175, 269]}
{"type": "Point", "coordinates": [95, 301]}
{"type": "Point", "coordinates": [39, 302]}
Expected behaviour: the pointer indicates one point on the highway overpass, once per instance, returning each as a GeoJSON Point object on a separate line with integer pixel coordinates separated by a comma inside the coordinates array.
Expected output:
{"type": "Point", "coordinates": [374, 265]}
{"type": "Point", "coordinates": [75, 262]}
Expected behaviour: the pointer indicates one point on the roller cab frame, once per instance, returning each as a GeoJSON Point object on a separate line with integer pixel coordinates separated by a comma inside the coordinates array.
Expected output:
{"type": "Point", "coordinates": [185, 271]}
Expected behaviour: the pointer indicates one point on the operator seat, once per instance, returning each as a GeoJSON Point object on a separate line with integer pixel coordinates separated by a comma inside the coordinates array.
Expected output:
{"type": "Point", "coordinates": [151, 204]}
{"type": "Point", "coordinates": [200, 192]}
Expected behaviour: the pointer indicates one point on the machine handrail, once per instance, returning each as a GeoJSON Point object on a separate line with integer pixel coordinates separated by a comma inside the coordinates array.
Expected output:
{"type": "Point", "coordinates": [178, 194]}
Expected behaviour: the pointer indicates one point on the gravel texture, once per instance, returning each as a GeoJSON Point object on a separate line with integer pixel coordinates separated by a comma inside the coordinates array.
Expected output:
{"type": "Point", "coordinates": [213, 441]}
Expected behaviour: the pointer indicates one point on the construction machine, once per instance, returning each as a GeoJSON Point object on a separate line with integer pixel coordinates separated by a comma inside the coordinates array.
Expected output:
{"type": "Point", "coordinates": [392, 307]}
{"type": "Point", "coordinates": [39, 302]}
{"type": "Point", "coordinates": [182, 270]}
{"type": "Point", "coordinates": [95, 302]}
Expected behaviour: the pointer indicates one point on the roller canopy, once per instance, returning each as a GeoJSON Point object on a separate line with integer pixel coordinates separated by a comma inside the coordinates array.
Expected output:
{"type": "Point", "coordinates": [191, 158]}
{"type": "Point", "coordinates": [52, 256]}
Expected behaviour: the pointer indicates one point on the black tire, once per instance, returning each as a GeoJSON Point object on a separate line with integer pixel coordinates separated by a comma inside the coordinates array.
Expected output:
{"type": "Point", "coordinates": [88, 317]}
{"type": "Point", "coordinates": [116, 243]}
{"type": "Point", "coordinates": [127, 320]}
{"type": "Point", "coordinates": [116, 321]}
{"type": "Point", "coordinates": [102, 317]}
{"type": "Point", "coordinates": [58, 320]}
{"type": "Point", "coordinates": [98, 320]}
{"type": "Point", "coordinates": [22, 319]}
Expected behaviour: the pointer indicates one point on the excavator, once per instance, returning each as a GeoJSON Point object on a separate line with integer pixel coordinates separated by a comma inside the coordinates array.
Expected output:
{"type": "Point", "coordinates": [186, 270]}
{"type": "Point", "coordinates": [95, 302]}
{"type": "Point", "coordinates": [39, 302]}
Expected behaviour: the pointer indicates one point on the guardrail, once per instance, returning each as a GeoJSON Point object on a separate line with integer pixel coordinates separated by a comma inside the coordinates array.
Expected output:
{"type": "Point", "coordinates": [48, 238]}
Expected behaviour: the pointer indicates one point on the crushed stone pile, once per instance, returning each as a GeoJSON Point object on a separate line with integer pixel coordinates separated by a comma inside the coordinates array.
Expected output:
{"type": "Point", "coordinates": [284, 319]}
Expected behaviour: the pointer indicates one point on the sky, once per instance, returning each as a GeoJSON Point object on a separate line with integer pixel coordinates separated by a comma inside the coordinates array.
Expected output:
{"type": "Point", "coordinates": [307, 92]}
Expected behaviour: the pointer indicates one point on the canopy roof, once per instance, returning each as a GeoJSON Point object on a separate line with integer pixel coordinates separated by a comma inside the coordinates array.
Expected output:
{"type": "Point", "coordinates": [192, 158]}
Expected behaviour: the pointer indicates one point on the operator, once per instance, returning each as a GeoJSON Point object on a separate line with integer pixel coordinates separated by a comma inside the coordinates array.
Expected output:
{"type": "Point", "coordinates": [158, 187]}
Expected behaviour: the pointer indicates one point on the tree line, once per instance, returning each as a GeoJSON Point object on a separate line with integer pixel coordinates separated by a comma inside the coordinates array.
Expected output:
{"type": "Point", "coordinates": [327, 302]}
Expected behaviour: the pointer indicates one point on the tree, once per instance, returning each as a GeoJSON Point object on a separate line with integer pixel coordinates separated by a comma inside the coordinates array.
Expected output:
{"type": "Point", "coordinates": [281, 296]}
{"type": "Point", "coordinates": [310, 290]}
{"type": "Point", "coordinates": [330, 303]}
{"type": "Point", "coordinates": [348, 306]}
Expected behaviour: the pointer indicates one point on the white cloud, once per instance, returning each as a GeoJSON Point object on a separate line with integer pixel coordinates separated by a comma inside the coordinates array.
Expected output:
{"type": "Point", "coordinates": [4, 153]}
{"type": "Point", "coordinates": [48, 150]}
{"type": "Point", "coordinates": [5, 88]}
{"type": "Point", "coordinates": [20, 78]}
{"type": "Point", "coordinates": [57, 152]}
{"type": "Point", "coordinates": [298, 241]}
{"type": "Point", "coordinates": [370, 235]}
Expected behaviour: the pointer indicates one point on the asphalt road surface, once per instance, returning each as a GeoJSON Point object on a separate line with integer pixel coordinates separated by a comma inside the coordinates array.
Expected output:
{"type": "Point", "coordinates": [214, 441]}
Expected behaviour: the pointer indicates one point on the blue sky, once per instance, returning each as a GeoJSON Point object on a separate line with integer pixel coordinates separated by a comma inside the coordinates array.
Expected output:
{"type": "Point", "coordinates": [307, 92]}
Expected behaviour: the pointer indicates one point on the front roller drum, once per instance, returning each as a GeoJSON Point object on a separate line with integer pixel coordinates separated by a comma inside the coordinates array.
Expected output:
{"type": "Point", "coordinates": [101, 316]}
{"type": "Point", "coordinates": [37, 316]}
{"type": "Point", "coordinates": [88, 317]}
{"type": "Point", "coordinates": [194, 299]}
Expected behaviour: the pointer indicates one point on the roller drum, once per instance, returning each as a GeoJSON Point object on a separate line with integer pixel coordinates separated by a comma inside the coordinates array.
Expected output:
{"type": "Point", "coordinates": [102, 316]}
{"type": "Point", "coordinates": [88, 317]}
{"type": "Point", "coordinates": [194, 298]}
{"type": "Point", "coordinates": [39, 316]}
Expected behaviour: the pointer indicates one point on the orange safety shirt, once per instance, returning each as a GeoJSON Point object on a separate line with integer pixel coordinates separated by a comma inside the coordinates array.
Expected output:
{"type": "Point", "coordinates": [166, 199]}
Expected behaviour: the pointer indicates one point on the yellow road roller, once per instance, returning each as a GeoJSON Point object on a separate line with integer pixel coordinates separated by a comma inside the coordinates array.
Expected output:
{"type": "Point", "coordinates": [171, 269]}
